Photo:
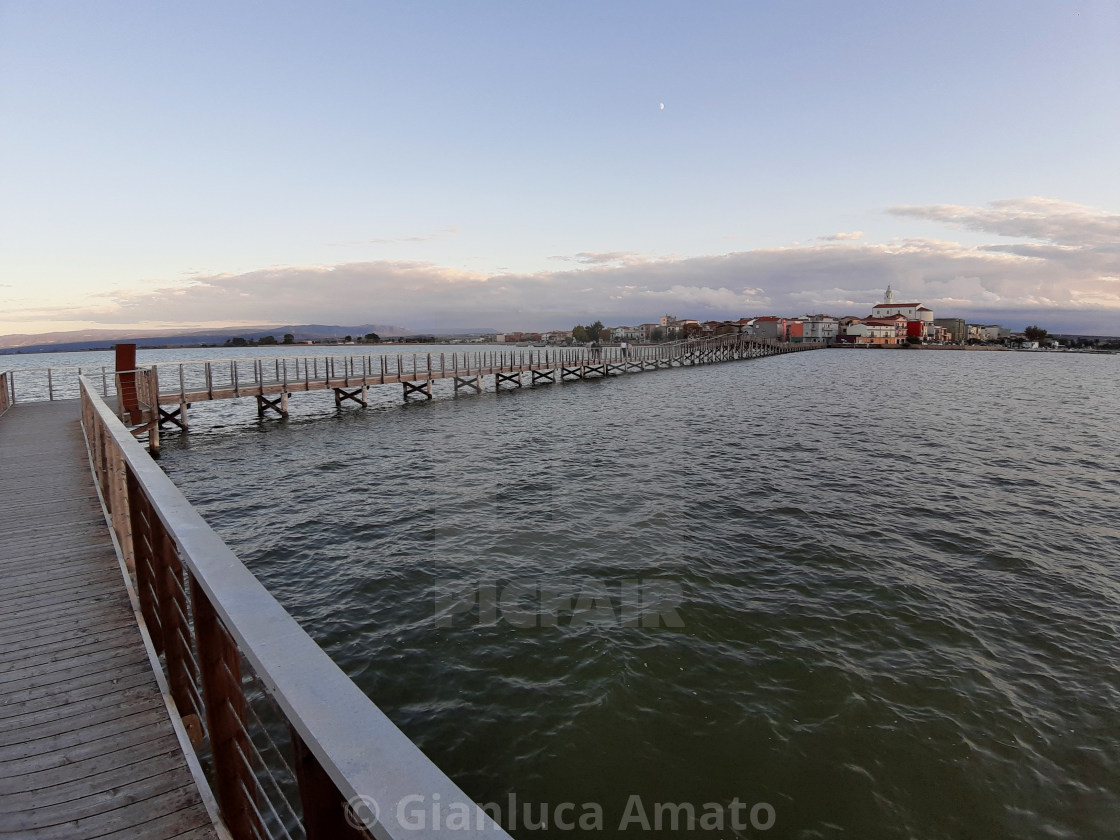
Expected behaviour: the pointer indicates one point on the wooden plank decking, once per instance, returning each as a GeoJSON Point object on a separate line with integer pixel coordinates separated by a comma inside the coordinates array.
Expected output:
{"type": "Point", "coordinates": [87, 748]}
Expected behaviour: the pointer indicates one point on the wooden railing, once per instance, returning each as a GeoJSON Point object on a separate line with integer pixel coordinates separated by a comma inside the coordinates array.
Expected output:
{"type": "Point", "coordinates": [287, 738]}
{"type": "Point", "coordinates": [208, 379]}
{"type": "Point", "coordinates": [7, 396]}
{"type": "Point", "coordinates": [54, 383]}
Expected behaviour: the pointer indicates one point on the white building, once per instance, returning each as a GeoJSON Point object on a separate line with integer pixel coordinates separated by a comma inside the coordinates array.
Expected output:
{"type": "Point", "coordinates": [911, 311]}
{"type": "Point", "coordinates": [990, 332]}
{"type": "Point", "coordinates": [874, 331]}
{"type": "Point", "coordinates": [820, 328]}
{"type": "Point", "coordinates": [627, 334]}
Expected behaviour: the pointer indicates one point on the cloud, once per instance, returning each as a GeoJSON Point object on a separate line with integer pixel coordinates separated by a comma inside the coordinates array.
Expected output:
{"type": "Point", "coordinates": [1065, 282]}
{"type": "Point", "coordinates": [393, 240]}
{"type": "Point", "coordinates": [844, 237]}
{"type": "Point", "coordinates": [1046, 219]}
{"type": "Point", "coordinates": [600, 257]}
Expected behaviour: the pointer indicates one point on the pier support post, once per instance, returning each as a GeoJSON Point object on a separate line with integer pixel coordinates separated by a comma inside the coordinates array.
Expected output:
{"type": "Point", "coordinates": [358, 395]}
{"type": "Point", "coordinates": [424, 389]}
{"type": "Point", "coordinates": [279, 405]}
{"type": "Point", "coordinates": [153, 436]}
{"type": "Point", "coordinates": [543, 375]}
{"type": "Point", "coordinates": [513, 379]}
{"type": "Point", "coordinates": [178, 416]}
{"type": "Point", "coordinates": [466, 382]}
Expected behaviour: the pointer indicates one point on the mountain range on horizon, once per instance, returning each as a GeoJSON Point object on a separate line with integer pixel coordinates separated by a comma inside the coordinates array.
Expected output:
{"type": "Point", "coordinates": [103, 339]}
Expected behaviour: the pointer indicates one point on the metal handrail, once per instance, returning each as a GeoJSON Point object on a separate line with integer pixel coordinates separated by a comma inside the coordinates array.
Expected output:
{"type": "Point", "coordinates": [345, 746]}
{"type": "Point", "coordinates": [61, 381]}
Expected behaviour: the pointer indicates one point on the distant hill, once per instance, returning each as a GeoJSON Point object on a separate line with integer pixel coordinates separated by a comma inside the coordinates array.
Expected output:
{"type": "Point", "coordinates": [105, 339]}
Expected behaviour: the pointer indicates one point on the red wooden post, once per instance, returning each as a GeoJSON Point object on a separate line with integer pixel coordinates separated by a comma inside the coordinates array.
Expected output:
{"type": "Point", "coordinates": [173, 606]}
{"type": "Point", "coordinates": [126, 377]}
{"type": "Point", "coordinates": [147, 578]}
{"type": "Point", "coordinates": [220, 663]}
{"type": "Point", "coordinates": [324, 810]}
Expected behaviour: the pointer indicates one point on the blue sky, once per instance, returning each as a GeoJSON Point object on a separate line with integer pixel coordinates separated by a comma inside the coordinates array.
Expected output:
{"type": "Point", "coordinates": [510, 164]}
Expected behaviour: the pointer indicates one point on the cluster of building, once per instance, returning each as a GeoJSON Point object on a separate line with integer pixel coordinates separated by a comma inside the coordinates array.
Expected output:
{"type": "Point", "coordinates": [890, 323]}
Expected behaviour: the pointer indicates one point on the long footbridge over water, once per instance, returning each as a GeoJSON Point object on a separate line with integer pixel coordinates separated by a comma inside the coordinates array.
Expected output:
{"type": "Point", "coordinates": [150, 687]}
{"type": "Point", "coordinates": [160, 395]}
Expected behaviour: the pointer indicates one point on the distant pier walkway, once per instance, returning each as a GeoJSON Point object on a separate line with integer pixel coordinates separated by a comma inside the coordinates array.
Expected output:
{"type": "Point", "coordinates": [148, 394]}
{"type": "Point", "coordinates": [87, 747]}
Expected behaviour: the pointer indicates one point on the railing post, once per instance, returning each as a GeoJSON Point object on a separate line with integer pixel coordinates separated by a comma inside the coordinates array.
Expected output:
{"type": "Point", "coordinates": [119, 509]}
{"type": "Point", "coordinates": [147, 577]}
{"type": "Point", "coordinates": [324, 810]}
{"type": "Point", "coordinates": [220, 665]}
{"type": "Point", "coordinates": [173, 608]}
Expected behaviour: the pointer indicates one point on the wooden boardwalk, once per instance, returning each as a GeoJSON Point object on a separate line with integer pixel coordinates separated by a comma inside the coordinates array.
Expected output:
{"type": "Point", "coordinates": [87, 748]}
{"type": "Point", "coordinates": [272, 381]}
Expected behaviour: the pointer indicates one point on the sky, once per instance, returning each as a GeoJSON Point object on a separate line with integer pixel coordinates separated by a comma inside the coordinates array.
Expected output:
{"type": "Point", "coordinates": [517, 165]}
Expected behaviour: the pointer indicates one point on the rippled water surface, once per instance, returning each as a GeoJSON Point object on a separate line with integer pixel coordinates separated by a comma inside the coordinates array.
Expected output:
{"type": "Point", "coordinates": [900, 575]}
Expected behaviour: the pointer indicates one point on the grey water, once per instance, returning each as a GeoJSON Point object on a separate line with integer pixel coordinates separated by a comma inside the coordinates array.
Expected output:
{"type": "Point", "coordinates": [898, 577]}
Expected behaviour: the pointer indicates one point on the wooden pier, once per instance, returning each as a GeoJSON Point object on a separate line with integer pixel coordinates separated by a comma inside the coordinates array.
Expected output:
{"type": "Point", "coordinates": [106, 697]}
{"type": "Point", "coordinates": [150, 687]}
{"type": "Point", "coordinates": [162, 394]}
{"type": "Point", "coordinates": [87, 743]}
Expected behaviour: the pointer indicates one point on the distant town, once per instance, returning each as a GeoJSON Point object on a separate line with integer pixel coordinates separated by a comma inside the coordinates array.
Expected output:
{"type": "Point", "coordinates": [890, 324]}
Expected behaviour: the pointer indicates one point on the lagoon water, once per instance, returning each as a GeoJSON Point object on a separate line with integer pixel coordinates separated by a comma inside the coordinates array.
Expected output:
{"type": "Point", "coordinates": [899, 578]}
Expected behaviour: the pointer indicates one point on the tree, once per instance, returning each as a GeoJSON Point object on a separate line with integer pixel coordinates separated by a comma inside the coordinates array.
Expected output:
{"type": "Point", "coordinates": [348, 338]}
{"type": "Point", "coordinates": [373, 338]}
{"type": "Point", "coordinates": [267, 340]}
{"type": "Point", "coordinates": [595, 330]}
{"type": "Point", "coordinates": [236, 342]}
{"type": "Point", "coordinates": [657, 334]}
{"type": "Point", "coordinates": [579, 333]}
{"type": "Point", "coordinates": [289, 338]}
{"type": "Point", "coordinates": [1035, 333]}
